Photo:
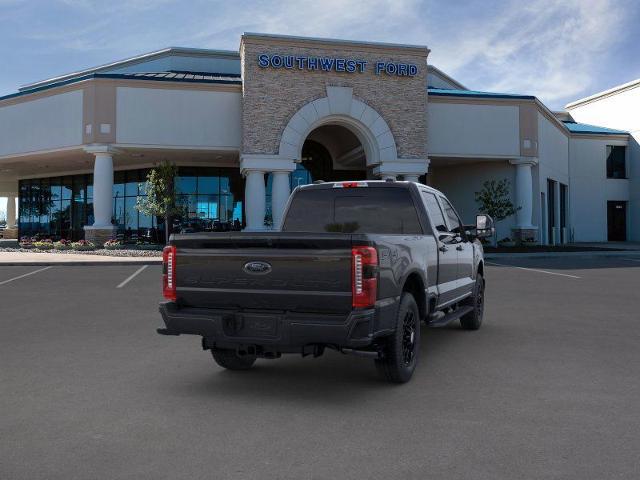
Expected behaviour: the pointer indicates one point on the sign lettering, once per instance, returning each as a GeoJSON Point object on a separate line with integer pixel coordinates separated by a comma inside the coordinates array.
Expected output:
{"type": "Point", "coordinates": [332, 64]}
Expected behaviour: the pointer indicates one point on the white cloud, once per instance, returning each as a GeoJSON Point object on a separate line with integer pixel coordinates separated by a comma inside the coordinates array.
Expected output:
{"type": "Point", "coordinates": [546, 48]}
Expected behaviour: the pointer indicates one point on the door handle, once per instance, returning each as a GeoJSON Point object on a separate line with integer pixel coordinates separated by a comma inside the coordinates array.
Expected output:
{"type": "Point", "coordinates": [459, 248]}
{"type": "Point", "coordinates": [443, 248]}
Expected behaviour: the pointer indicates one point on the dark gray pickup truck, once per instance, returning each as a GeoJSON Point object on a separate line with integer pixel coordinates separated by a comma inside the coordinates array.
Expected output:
{"type": "Point", "coordinates": [356, 267]}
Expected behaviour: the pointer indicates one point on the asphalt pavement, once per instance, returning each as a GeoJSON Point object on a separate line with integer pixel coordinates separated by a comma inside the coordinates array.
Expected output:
{"type": "Point", "coordinates": [549, 387]}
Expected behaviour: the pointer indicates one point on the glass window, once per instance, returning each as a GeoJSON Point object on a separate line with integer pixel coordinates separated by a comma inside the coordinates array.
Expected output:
{"type": "Point", "coordinates": [119, 213]}
{"type": "Point", "coordinates": [67, 190]}
{"type": "Point", "coordinates": [131, 214]}
{"type": "Point", "coordinates": [208, 185]}
{"type": "Point", "coordinates": [131, 185]}
{"type": "Point", "coordinates": [452, 216]}
{"type": "Point", "coordinates": [186, 185]}
{"type": "Point", "coordinates": [371, 210]}
{"type": "Point", "coordinates": [118, 184]}
{"type": "Point", "coordinates": [616, 165]}
{"type": "Point", "coordinates": [434, 211]}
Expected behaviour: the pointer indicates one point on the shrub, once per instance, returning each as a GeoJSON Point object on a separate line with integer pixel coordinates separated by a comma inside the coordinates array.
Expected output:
{"type": "Point", "coordinates": [113, 244]}
{"type": "Point", "coordinates": [43, 244]}
{"type": "Point", "coordinates": [26, 242]}
{"type": "Point", "coordinates": [83, 245]}
{"type": "Point", "coordinates": [62, 245]}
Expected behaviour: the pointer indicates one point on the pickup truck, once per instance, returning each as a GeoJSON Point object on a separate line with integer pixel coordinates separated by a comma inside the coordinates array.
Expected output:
{"type": "Point", "coordinates": [356, 267]}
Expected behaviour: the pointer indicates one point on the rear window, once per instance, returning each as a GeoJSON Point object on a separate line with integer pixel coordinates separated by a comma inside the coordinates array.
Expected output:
{"type": "Point", "coordinates": [353, 210]}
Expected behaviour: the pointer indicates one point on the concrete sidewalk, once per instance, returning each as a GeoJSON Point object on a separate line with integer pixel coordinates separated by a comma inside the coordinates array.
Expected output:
{"type": "Point", "coordinates": [37, 259]}
{"type": "Point", "coordinates": [593, 253]}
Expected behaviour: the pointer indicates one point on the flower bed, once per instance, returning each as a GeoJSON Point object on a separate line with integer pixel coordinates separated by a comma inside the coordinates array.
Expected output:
{"type": "Point", "coordinates": [62, 245]}
{"type": "Point", "coordinates": [83, 245]}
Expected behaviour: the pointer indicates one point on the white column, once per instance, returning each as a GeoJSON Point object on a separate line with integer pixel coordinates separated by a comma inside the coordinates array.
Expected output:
{"type": "Point", "coordinates": [11, 212]}
{"type": "Point", "coordinates": [254, 197]}
{"type": "Point", "coordinates": [524, 193]}
{"type": "Point", "coordinates": [103, 190]}
{"type": "Point", "coordinates": [411, 178]}
{"type": "Point", "coordinates": [280, 191]}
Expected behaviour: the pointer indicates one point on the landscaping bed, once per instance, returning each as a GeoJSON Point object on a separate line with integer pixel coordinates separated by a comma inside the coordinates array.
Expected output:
{"type": "Point", "coordinates": [101, 252]}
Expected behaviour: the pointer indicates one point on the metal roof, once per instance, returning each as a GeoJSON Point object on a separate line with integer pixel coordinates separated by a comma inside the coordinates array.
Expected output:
{"type": "Point", "coordinates": [444, 92]}
{"type": "Point", "coordinates": [134, 60]}
{"type": "Point", "coordinates": [187, 77]}
{"type": "Point", "coordinates": [585, 128]}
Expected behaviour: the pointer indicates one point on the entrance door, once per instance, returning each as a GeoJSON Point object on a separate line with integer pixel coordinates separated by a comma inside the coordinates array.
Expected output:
{"type": "Point", "coordinates": [617, 221]}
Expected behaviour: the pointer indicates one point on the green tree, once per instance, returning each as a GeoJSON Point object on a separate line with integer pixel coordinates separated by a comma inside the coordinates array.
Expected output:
{"type": "Point", "coordinates": [495, 200]}
{"type": "Point", "coordinates": [160, 199]}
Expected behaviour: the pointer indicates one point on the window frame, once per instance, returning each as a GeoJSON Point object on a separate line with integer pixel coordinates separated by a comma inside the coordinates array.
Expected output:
{"type": "Point", "coordinates": [462, 233]}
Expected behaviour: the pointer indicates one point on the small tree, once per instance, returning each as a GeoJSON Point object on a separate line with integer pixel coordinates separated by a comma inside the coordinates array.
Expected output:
{"type": "Point", "coordinates": [160, 199]}
{"type": "Point", "coordinates": [495, 200]}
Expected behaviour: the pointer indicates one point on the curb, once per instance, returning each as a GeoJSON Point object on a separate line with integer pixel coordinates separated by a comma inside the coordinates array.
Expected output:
{"type": "Point", "coordinates": [617, 253]}
{"type": "Point", "coordinates": [81, 263]}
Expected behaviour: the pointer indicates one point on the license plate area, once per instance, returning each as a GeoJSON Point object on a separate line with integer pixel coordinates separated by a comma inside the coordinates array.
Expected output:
{"type": "Point", "coordinates": [252, 325]}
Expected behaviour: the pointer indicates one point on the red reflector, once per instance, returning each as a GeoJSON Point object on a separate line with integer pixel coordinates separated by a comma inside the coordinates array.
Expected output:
{"type": "Point", "coordinates": [364, 276]}
{"type": "Point", "coordinates": [169, 273]}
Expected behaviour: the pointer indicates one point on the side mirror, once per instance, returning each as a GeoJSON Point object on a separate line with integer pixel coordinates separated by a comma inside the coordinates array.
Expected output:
{"type": "Point", "coordinates": [484, 226]}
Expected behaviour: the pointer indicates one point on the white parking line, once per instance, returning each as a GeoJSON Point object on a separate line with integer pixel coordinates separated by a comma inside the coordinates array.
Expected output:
{"type": "Point", "coordinates": [128, 279]}
{"type": "Point", "coordinates": [533, 270]}
{"type": "Point", "coordinates": [25, 275]}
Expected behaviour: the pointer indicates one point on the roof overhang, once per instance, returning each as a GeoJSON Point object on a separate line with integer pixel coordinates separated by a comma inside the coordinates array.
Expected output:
{"type": "Point", "coordinates": [606, 93]}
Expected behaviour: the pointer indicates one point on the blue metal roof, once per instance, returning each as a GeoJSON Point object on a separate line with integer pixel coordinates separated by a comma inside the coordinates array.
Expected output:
{"type": "Point", "coordinates": [188, 77]}
{"type": "Point", "coordinates": [444, 92]}
{"type": "Point", "coordinates": [575, 127]}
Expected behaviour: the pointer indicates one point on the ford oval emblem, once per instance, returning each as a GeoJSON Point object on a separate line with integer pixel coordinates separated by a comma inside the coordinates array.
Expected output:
{"type": "Point", "coordinates": [257, 268]}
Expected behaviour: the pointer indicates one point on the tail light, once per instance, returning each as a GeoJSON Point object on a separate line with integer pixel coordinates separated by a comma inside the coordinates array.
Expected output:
{"type": "Point", "coordinates": [169, 273]}
{"type": "Point", "coordinates": [364, 278]}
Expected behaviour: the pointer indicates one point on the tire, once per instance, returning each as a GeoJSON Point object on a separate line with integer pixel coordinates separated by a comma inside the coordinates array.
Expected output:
{"type": "Point", "coordinates": [231, 361]}
{"type": "Point", "coordinates": [473, 319]}
{"type": "Point", "coordinates": [402, 349]}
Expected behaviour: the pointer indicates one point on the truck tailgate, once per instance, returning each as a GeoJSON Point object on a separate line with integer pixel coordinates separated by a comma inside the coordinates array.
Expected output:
{"type": "Point", "coordinates": [265, 271]}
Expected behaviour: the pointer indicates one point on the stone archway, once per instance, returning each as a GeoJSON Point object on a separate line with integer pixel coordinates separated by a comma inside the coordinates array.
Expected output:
{"type": "Point", "coordinates": [339, 107]}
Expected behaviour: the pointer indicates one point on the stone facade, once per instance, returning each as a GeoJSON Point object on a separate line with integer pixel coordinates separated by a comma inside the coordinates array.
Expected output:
{"type": "Point", "coordinates": [272, 96]}
{"type": "Point", "coordinates": [98, 236]}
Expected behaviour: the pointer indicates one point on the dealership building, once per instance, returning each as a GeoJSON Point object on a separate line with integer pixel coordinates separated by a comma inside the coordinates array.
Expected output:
{"type": "Point", "coordinates": [246, 127]}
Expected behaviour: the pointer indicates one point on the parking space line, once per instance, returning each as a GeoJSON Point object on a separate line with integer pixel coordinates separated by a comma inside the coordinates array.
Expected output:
{"type": "Point", "coordinates": [131, 277]}
{"type": "Point", "coordinates": [533, 270]}
{"type": "Point", "coordinates": [25, 275]}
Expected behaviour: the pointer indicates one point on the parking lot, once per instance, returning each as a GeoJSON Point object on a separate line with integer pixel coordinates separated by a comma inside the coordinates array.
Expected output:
{"type": "Point", "coordinates": [548, 388]}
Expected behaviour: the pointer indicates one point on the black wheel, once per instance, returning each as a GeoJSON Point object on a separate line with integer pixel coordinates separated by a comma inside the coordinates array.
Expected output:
{"type": "Point", "coordinates": [401, 351]}
{"type": "Point", "coordinates": [473, 319]}
{"type": "Point", "coordinates": [231, 361]}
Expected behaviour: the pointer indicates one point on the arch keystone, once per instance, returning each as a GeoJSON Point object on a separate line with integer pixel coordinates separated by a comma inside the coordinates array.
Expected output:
{"type": "Point", "coordinates": [340, 100]}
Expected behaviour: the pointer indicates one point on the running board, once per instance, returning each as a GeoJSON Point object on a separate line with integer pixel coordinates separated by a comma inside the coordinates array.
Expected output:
{"type": "Point", "coordinates": [441, 319]}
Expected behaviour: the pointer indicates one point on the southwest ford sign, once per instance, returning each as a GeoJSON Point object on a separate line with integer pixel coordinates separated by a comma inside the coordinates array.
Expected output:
{"type": "Point", "coordinates": [333, 64]}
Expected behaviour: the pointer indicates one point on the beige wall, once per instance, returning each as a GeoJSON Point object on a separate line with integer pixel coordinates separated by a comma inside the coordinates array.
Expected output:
{"type": "Point", "coordinates": [172, 117]}
{"type": "Point", "coordinates": [473, 129]}
{"type": "Point", "coordinates": [272, 96]}
{"type": "Point", "coordinates": [45, 123]}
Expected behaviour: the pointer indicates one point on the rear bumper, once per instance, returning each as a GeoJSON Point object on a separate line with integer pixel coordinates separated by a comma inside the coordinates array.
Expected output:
{"type": "Point", "coordinates": [279, 331]}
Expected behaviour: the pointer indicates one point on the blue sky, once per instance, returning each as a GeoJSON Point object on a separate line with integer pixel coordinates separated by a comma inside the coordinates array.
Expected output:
{"type": "Point", "coordinates": [556, 50]}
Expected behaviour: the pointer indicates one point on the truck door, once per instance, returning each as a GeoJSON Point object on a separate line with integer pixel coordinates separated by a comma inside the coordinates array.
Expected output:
{"type": "Point", "coordinates": [463, 246]}
{"type": "Point", "coordinates": [447, 254]}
